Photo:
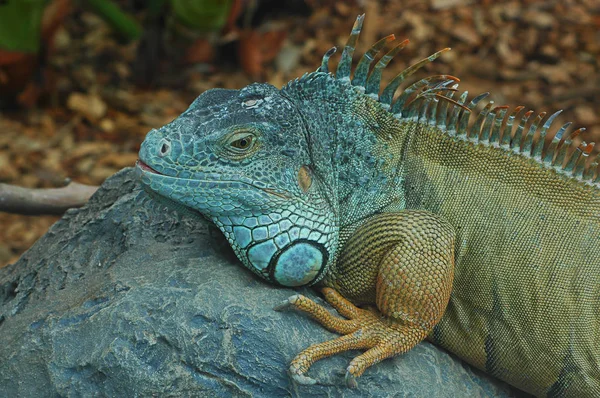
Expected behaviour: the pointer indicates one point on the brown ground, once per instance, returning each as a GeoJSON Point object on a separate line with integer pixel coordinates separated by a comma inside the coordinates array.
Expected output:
{"type": "Point", "coordinates": [541, 54]}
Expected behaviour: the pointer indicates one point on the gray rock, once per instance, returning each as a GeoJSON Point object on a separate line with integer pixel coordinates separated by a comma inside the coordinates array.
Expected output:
{"type": "Point", "coordinates": [122, 298]}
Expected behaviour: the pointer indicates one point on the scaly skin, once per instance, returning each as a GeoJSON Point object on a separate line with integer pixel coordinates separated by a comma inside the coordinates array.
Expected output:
{"type": "Point", "coordinates": [468, 234]}
{"type": "Point", "coordinates": [402, 262]}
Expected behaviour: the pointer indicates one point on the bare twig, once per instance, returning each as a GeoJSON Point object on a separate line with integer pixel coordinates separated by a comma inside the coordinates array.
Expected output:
{"type": "Point", "coordinates": [29, 201]}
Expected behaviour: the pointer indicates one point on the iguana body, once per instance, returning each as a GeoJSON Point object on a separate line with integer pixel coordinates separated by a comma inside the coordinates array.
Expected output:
{"type": "Point", "coordinates": [397, 204]}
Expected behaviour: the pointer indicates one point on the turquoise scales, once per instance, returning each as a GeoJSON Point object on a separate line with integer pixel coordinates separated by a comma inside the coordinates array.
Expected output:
{"type": "Point", "coordinates": [387, 201]}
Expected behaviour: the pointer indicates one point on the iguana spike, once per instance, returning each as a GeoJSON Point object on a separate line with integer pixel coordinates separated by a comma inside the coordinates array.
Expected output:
{"type": "Point", "coordinates": [463, 121]}
{"type": "Point", "coordinates": [434, 91]}
{"type": "Point", "coordinates": [431, 96]}
{"type": "Point", "coordinates": [556, 140]}
{"type": "Point", "coordinates": [325, 61]}
{"type": "Point", "coordinates": [591, 173]}
{"type": "Point", "coordinates": [401, 104]}
{"type": "Point", "coordinates": [430, 117]}
{"type": "Point", "coordinates": [442, 113]}
{"type": "Point", "coordinates": [515, 142]}
{"type": "Point", "coordinates": [362, 70]}
{"type": "Point", "coordinates": [454, 115]}
{"type": "Point", "coordinates": [484, 132]}
{"type": "Point", "coordinates": [434, 95]}
{"type": "Point", "coordinates": [388, 93]}
{"type": "Point", "coordinates": [475, 130]}
{"type": "Point", "coordinates": [488, 123]}
{"type": "Point", "coordinates": [448, 98]}
{"type": "Point", "coordinates": [374, 79]}
{"type": "Point", "coordinates": [528, 143]}
{"type": "Point", "coordinates": [574, 159]}
{"type": "Point", "coordinates": [507, 130]}
{"type": "Point", "coordinates": [499, 121]}
{"type": "Point", "coordinates": [412, 113]}
{"type": "Point", "coordinates": [575, 133]}
{"type": "Point", "coordinates": [563, 147]}
{"type": "Point", "coordinates": [345, 64]}
{"type": "Point", "coordinates": [422, 110]}
{"type": "Point", "coordinates": [580, 164]}
{"type": "Point", "coordinates": [457, 106]}
{"type": "Point", "coordinates": [539, 146]}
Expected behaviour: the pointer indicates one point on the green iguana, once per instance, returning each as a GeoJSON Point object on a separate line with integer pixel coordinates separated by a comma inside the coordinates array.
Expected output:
{"type": "Point", "coordinates": [462, 230]}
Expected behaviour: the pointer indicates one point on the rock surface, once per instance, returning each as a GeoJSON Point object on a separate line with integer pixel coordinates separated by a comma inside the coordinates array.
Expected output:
{"type": "Point", "coordinates": [122, 298]}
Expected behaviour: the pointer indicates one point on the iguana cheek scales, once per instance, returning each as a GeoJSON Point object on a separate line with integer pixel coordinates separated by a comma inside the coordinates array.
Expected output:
{"type": "Point", "coordinates": [455, 227]}
{"type": "Point", "coordinates": [283, 247]}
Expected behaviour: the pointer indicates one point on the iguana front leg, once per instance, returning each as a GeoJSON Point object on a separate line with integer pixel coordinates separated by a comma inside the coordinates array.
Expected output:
{"type": "Point", "coordinates": [404, 262]}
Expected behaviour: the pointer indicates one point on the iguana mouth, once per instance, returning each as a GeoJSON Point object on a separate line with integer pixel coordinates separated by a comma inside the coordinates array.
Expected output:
{"type": "Point", "coordinates": [145, 167]}
{"type": "Point", "coordinates": [281, 194]}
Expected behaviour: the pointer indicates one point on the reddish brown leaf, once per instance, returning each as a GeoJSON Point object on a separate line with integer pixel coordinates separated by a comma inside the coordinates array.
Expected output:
{"type": "Point", "coordinates": [256, 48]}
{"type": "Point", "coordinates": [200, 51]}
{"type": "Point", "coordinates": [16, 69]}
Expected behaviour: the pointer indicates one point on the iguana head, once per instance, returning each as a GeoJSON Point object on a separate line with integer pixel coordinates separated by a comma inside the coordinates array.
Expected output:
{"type": "Point", "coordinates": [282, 172]}
{"type": "Point", "coordinates": [240, 158]}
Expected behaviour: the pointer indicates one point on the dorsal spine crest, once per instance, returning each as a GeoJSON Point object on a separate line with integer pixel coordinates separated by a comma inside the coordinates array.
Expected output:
{"type": "Point", "coordinates": [430, 101]}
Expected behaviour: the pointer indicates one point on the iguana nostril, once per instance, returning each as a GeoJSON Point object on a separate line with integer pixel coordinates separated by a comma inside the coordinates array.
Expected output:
{"type": "Point", "coordinates": [165, 148]}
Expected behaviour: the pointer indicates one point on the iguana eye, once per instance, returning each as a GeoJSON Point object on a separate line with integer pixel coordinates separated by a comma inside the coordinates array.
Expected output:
{"type": "Point", "coordinates": [242, 143]}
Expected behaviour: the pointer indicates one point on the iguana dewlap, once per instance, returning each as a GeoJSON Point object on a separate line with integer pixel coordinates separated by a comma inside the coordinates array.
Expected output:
{"type": "Point", "coordinates": [467, 232]}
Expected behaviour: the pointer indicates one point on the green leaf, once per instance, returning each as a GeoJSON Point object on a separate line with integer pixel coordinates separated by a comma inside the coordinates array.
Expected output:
{"type": "Point", "coordinates": [203, 15]}
{"type": "Point", "coordinates": [123, 23]}
{"type": "Point", "coordinates": [20, 25]}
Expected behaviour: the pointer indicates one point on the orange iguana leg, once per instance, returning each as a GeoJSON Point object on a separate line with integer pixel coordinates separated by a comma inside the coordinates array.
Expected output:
{"type": "Point", "coordinates": [409, 258]}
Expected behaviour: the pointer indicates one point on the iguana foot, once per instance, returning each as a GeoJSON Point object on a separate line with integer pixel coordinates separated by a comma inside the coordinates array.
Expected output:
{"type": "Point", "coordinates": [410, 257]}
{"type": "Point", "coordinates": [322, 315]}
{"type": "Point", "coordinates": [364, 329]}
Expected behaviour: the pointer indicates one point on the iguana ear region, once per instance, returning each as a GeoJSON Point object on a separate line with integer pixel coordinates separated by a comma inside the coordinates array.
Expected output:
{"type": "Point", "coordinates": [304, 178]}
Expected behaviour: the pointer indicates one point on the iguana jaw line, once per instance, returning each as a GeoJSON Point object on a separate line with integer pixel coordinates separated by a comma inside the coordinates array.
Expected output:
{"type": "Point", "coordinates": [144, 168]}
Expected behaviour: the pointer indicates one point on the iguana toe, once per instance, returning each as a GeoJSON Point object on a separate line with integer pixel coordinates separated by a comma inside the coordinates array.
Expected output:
{"type": "Point", "coordinates": [300, 378]}
{"type": "Point", "coordinates": [366, 330]}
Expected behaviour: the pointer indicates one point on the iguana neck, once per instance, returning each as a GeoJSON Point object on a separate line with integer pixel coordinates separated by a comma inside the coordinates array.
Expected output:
{"type": "Point", "coordinates": [356, 149]}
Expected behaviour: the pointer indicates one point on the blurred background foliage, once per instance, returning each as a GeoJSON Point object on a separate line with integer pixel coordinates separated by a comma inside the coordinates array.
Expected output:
{"type": "Point", "coordinates": [81, 82]}
{"type": "Point", "coordinates": [20, 23]}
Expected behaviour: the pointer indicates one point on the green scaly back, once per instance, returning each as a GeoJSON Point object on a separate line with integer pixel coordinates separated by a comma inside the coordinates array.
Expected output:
{"type": "Point", "coordinates": [525, 305]}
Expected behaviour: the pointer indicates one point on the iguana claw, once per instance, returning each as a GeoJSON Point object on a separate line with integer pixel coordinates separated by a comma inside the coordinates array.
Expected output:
{"type": "Point", "coordinates": [300, 378]}
{"type": "Point", "coordinates": [351, 380]}
{"type": "Point", "coordinates": [287, 303]}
